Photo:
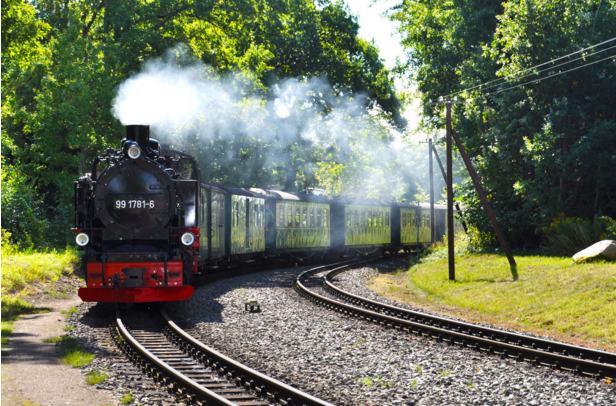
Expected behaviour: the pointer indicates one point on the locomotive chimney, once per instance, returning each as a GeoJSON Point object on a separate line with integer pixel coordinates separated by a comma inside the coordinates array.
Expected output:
{"type": "Point", "coordinates": [140, 134]}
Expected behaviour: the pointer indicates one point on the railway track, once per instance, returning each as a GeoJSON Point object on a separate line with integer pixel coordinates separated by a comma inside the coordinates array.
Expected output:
{"type": "Point", "coordinates": [195, 373]}
{"type": "Point", "coordinates": [578, 360]}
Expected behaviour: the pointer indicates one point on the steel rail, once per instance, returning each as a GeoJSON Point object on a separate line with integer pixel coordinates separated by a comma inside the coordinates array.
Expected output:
{"type": "Point", "coordinates": [195, 388]}
{"type": "Point", "coordinates": [263, 384]}
{"type": "Point", "coordinates": [505, 344]}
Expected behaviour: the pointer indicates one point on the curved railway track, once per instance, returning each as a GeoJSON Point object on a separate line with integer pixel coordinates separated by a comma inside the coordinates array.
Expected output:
{"type": "Point", "coordinates": [195, 373]}
{"type": "Point", "coordinates": [579, 360]}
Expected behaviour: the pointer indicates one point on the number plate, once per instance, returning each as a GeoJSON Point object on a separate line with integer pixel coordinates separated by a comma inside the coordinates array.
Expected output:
{"type": "Point", "coordinates": [122, 204]}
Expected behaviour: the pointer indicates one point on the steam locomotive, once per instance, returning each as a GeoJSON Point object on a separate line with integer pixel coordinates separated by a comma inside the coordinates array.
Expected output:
{"type": "Point", "coordinates": [148, 226]}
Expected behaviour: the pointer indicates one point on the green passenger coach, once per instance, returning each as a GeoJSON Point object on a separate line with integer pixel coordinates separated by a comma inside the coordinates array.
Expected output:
{"type": "Point", "coordinates": [367, 225]}
{"type": "Point", "coordinates": [414, 226]}
{"type": "Point", "coordinates": [302, 225]}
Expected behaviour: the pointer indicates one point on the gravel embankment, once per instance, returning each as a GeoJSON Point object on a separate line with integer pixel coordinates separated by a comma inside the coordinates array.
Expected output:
{"type": "Point", "coordinates": [351, 362]}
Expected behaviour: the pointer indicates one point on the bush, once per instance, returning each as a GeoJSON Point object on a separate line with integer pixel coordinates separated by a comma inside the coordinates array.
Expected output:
{"type": "Point", "coordinates": [570, 235]}
{"type": "Point", "coordinates": [23, 215]}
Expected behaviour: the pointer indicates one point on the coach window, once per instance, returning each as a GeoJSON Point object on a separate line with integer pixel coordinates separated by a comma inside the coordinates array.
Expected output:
{"type": "Point", "coordinates": [363, 218]}
{"type": "Point", "coordinates": [356, 219]}
{"type": "Point", "coordinates": [369, 218]}
{"type": "Point", "coordinates": [297, 217]}
{"type": "Point", "coordinates": [281, 216]}
{"type": "Point", "coordinates": [403, 220]}
{"type": "Point", "coordinates": [325, 218]}
{"type": "Point", "coordinates": [289, 216]}
{"type": "Point", "coordinates": [312, 217]}
{"type": "Point", "coordinates": [305, 217]}
{"type": "Point", "coordinates": [319, 217]}
{"type": "Point", "coordinates": [428, 221]}
{"type": "Point", "coordinates": [237, 213]}
{"type": "Point", "coordinates": [348, 218]}
{"type": "Point", "coordinates": [387, 219]}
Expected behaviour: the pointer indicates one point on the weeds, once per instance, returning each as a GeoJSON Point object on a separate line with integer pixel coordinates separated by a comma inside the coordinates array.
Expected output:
{"type": "Point", "coordinates": [72, 310]}
{"type": "Point", "coordinates": [72, 353]}
{"type": "Point", "coordinates": [68, 327]}
{"type": "Point", "coordinates": [470, 384]}
{"type": "Point", "coordinates": [126, 398]}
{"type": "Point", "coordinates": [418, 369]}
{"type": "Point", "coordinates": [414, 384]}
{"type": "Point", "coordinates": [95, 377]}
{"type": "Point", "coordinates": [371, 381]}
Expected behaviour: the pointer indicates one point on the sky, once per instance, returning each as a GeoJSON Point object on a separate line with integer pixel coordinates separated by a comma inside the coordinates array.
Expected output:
{"type": "Point", "coordinates": [374, 26]}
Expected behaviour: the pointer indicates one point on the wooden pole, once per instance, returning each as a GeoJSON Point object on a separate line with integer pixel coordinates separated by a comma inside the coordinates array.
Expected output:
{"type": "Point", "coordinates": [450, 231]}
{"type": "Point", "coordinates": [484, 200]}
{"type": "Point", "coordinates": [432, 218]}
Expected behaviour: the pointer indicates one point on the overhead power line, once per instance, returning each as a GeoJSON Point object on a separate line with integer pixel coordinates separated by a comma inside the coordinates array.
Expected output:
{"type": "Point", "coordinates": [535, 67]}
{"type": "Point", "coordinates": [613, 57]}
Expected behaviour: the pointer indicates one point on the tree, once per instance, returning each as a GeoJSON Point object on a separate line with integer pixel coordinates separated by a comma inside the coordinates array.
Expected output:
{"type": "Point", "coordinates": [531, 145]}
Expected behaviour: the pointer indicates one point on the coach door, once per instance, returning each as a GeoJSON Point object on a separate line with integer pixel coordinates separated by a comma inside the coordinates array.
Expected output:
{"type": "Point", "coordinates": [218, 226]}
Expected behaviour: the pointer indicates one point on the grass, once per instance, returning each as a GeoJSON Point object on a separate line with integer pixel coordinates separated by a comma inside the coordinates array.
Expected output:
{"type": "Point", "coordinates": [72, 353]}
{"type": "Point", "coordinates": [20, 269]}
{"type": "Point", "coordinates": [551, 295]}
{"type": "Point", "coordinates": [13, 307]}
{"type": "Point", "coordinates": [126, 398]}
{"type": "Point", "coordinates": [72, 310]}
{"type": "Point", "coordinates": [68, 327]}
{"type": "Point", "coordinates": [95, 377]}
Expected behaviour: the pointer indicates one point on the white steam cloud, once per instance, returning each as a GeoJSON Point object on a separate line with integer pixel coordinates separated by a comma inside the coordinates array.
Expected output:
{"type": "Point", "coordinates": [195, 109]}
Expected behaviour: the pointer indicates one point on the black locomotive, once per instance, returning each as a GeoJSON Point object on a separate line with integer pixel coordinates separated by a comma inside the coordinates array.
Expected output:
{"type": "Point", "coordinates": [148, 226]}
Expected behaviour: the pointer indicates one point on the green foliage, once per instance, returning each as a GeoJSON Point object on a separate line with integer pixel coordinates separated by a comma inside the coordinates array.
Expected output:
{"type": "Point", "coordinates": [7, 328]}
{"type": "Point", "coordinates": [570, 235]}
{"type": "Point", "coordinates": [22, 210]}
{"type": "Point", "coordinates": [62, 62]}
{"type": "Point", "coordinates": [127, 398]}
{"type": "Point", "coordinates": [541, 149]}
{"type": "Point", "coordinates": [21, 268]}
{"type": "Point", "coordinates": [95, 377]}
{"type": "Point", "coordinates": [72, 353]}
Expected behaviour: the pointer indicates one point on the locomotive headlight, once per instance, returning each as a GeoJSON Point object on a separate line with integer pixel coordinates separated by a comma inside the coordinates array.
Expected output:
{"type": "Point", "coordinates": [188, 238]}
{"type": "Point", "coordinates": [133, 152]}
{"type": "Point", "coordinates": [82, 239]}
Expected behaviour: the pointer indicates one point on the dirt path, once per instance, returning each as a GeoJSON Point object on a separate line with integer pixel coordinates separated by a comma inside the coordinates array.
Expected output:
{"type": "Point", "coordinates": [32, 373]}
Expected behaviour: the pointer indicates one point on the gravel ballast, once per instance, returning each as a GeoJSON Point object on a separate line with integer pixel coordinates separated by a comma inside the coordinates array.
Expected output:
{"type": "Point", "coordinates": [348, 361]}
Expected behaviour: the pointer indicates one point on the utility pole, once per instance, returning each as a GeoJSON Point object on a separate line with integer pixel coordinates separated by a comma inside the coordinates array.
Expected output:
{"type": "Point", "coordinates": [432, 218]}
{"type": "Point", "coordinates": [451, 134]}
{"type": "Point", "coordinates": [450, 233]}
